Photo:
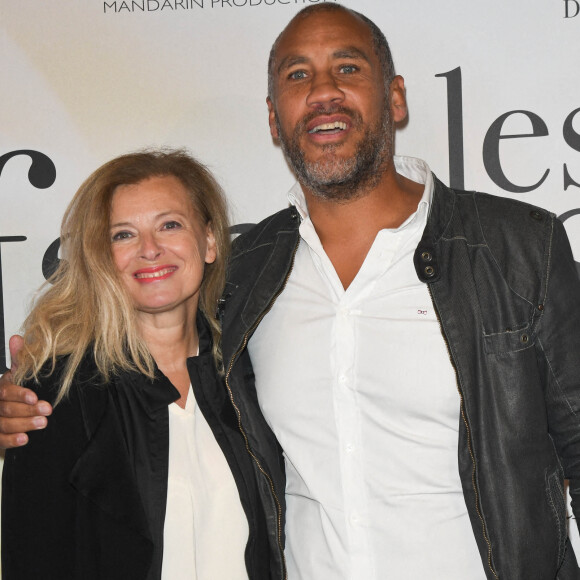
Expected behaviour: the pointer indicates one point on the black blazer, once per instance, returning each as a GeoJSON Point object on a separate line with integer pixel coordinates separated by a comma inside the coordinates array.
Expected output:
{"type": "Point", "coordinates": [85, 499]}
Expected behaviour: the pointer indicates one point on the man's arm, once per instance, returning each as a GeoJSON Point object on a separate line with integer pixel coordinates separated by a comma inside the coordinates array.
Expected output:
{"type": "Point", "coordinates": [20, 409]}
{"type": "Point", "coordinates": [559, 360]}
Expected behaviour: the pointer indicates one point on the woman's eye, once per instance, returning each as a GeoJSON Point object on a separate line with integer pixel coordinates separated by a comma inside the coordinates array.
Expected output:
{"type": "Point", "coordinates": [121, 236]}
{"type": "Point", "coordinates": [172, 225]}
{"type": "Point", "coordinates": [348, 69]}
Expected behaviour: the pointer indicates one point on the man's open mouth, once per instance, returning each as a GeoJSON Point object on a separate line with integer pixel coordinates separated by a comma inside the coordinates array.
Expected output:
{"type": "Point", "coordinates": [329, 128]}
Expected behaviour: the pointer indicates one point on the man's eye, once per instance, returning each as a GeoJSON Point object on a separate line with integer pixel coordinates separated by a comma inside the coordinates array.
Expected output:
{"type": "Point", "coordinates": [172, 225]}
{"type": "Point", "coordinates": [297, 74]}
{"type": "Point", "coordinates": [121, 236]}
{"type": "Point", "coordinates": [348, 69]}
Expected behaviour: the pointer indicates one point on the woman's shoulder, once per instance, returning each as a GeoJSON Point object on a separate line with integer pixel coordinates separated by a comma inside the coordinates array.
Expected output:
{"type": "Point", "coordinates": [50, 377]}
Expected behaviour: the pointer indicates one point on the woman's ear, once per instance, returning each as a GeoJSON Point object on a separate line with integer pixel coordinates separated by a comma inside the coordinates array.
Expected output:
{"type": "Point", "coordinates": [211, 245]}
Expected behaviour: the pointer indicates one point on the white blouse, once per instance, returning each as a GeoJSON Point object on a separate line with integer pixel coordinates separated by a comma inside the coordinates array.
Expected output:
{"type": "Point", "coordinates": [206, 529]}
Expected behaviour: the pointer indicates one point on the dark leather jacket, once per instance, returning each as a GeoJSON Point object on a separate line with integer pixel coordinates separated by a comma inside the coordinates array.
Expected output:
{"type": "Point", "coordinates": [505, 287]}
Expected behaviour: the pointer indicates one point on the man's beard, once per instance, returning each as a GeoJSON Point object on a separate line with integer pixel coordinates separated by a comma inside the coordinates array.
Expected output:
{"type": "Point", "coordinates": [333, 177]}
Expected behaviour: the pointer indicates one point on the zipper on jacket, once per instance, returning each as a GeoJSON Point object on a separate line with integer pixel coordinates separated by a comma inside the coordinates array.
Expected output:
{"type": "Point", "coordinates": [231, 395]}
{"type": "Point", "coordinates": [469, 444]}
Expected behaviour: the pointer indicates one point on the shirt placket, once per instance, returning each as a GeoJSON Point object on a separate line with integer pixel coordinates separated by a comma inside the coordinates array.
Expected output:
{"type": "Point", "coordinates": [350, 448]}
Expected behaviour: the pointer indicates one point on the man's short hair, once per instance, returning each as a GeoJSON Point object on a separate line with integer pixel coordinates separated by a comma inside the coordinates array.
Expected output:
{"type": "Point", "coordinates": [380, 44]}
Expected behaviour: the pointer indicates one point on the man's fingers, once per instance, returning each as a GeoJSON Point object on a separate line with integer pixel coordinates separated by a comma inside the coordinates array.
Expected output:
{"type": "Point", "coordinates": [20, 411]}
{"type": "Point", "coordinates": [15, 345]}
{"type": "Point", "coordinates": [14, 411]}
{"type": "Point", "coordinates": [13, 431]}
{"type": "Point", "coordinates": [22, 424]}
{"type": "Point", "coordinates": [10, 392]}
{"type": "Point", "coordinates": [16, 440]}
{"type": "Point", "coordinates": [18, 418]}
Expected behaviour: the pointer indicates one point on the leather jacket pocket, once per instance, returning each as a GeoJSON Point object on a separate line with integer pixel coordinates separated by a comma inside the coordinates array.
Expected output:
{"type": "Point", "coordinates": [557, 501]}
{"type": "Point", "coordinates": [511, 340]}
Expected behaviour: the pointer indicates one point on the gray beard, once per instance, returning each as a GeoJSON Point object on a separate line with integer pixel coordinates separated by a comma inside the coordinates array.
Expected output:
{"type": "Point", "coordinates": [335, 178]}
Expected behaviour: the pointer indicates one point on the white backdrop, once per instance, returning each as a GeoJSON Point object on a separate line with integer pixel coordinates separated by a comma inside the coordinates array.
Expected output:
{"type": "Point", "coordinates": [83, 81]}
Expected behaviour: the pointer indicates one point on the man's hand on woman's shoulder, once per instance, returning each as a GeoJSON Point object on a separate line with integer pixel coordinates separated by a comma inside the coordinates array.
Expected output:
{"type": "Point", "coordinates": [20, 409]}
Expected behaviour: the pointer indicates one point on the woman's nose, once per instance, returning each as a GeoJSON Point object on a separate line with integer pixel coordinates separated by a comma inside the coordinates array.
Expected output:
{"type": "Point", "coordinates": [150, 247]}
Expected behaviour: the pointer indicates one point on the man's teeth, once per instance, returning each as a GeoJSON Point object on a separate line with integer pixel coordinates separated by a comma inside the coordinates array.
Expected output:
{"type": "Point", "coordinates": [329, 127]}
{"type": "Point", "coordinates": [157, 274]}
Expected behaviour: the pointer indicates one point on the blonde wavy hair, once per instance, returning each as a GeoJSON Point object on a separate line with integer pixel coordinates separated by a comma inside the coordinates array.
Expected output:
{"type": "Point", "coordinates": [84, 307]}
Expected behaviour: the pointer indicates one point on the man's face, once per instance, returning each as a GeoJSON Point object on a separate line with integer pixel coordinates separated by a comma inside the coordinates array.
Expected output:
{"type": "Point", "coordinates": [329, 106]}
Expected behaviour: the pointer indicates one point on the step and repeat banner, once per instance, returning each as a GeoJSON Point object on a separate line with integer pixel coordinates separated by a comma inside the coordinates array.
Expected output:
{"type": "Point", "coordinates": [494, 104]}
{"type": "Point", "coordinates": [493, 92]}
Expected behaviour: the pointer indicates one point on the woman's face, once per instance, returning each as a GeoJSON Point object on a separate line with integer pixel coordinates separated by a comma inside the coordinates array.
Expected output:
{"type": "Point", "coordinates": [160, 246]}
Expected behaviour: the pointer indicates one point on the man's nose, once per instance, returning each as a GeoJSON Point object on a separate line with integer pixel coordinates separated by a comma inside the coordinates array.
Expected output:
{"type": "Point", "coordinates": [324, 89]}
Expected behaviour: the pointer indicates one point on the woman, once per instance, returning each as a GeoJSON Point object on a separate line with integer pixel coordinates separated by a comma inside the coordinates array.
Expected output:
{"type": "Point", "coordinates": [128, 480]}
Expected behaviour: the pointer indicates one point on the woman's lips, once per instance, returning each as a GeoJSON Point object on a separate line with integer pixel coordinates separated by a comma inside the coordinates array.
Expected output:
{"type": "Point", "coordinates": [154, 274]}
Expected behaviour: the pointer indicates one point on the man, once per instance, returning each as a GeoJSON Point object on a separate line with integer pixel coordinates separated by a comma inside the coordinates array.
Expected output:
{"type": "Point", "coordinates": [412, 349]}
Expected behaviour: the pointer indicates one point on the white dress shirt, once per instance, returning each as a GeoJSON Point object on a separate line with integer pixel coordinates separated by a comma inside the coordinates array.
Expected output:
{"type": "Point", "coordinates": [359, 389]}
{"type": "Point", "coordinates": [204, 518]}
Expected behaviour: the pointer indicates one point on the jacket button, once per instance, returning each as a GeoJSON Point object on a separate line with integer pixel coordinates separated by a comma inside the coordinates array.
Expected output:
{"type": "Point", "coordinates": [426, 256]}
{"type": "Point", "coordinates": [429, 271]}
{"type": "Point", "coordinates": [536, 215]}
{"type": "Point", "coordinates": [524, 338]}
{"type": "Point", "coordinates": [540, 307]}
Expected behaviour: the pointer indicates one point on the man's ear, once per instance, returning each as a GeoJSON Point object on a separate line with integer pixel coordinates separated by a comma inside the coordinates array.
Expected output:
{"type": "Point", "coordinates": [398, 99]}
{"type": "Point", "coordinates": [272, 119]}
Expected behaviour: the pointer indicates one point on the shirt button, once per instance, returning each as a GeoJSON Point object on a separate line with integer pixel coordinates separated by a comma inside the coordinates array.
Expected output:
{"type": "Point", "coordinates": [342, 379]}
{"type": "Point", "coordinates": [350, 448]}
